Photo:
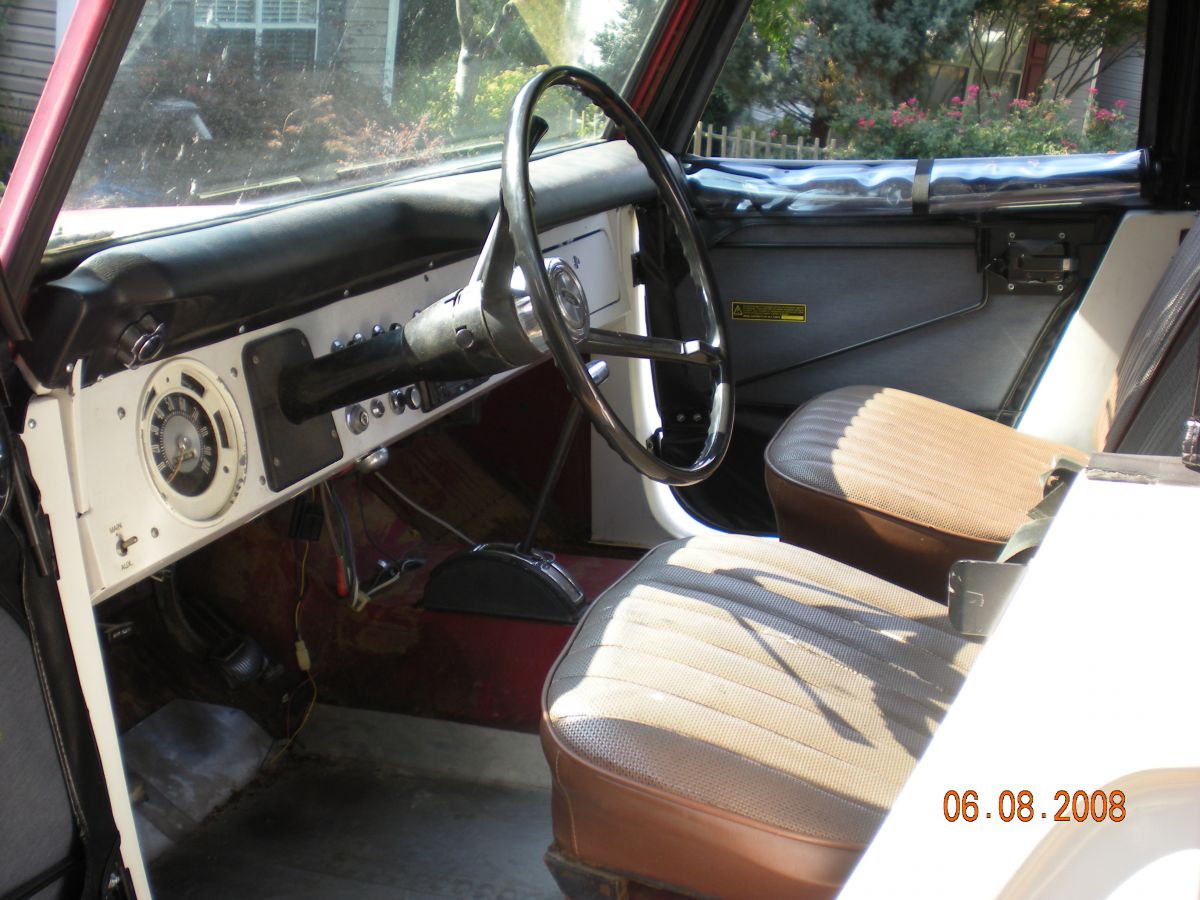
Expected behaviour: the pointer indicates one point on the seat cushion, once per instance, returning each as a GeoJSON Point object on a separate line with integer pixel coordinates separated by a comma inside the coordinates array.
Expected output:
{"type": "Point", "coordinates": [735, 716]}
{"type": "Point", "coordinates": [901, 485]}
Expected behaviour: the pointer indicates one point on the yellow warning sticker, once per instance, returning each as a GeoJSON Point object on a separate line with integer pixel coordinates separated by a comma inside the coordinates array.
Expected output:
{"type": "Point", "coordinates": [768, 312]}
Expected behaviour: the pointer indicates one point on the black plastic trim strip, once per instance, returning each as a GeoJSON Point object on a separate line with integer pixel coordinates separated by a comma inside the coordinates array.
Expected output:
{"type": "Point", "coordinates": [920, 187]}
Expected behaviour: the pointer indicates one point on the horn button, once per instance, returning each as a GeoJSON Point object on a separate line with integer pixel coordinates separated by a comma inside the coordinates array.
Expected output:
{"type": "Point", "coordinates": [569, 296]}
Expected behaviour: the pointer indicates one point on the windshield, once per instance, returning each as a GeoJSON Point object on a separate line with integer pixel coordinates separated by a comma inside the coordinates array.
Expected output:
{"type": "Point", "coordinates": [222, 107]}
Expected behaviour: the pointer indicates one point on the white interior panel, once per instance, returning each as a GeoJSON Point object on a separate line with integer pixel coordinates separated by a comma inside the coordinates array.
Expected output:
{"type": "Point", "coordinates": [1069, 397]}
{"type": "Point", "coordinates": [112, 497]}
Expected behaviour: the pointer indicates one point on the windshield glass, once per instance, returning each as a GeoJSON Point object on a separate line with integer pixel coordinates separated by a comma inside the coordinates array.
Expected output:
{"type": "Point", "coordinates": [221, 107]}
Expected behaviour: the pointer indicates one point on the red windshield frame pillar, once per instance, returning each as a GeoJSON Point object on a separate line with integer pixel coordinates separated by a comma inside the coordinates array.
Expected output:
{"type": "Point", "coordinates": [25, 195]}
{"type": "Point", "coordinates": [663, 55]}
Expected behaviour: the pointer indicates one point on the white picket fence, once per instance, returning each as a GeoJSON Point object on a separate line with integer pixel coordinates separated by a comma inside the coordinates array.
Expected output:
{"type": "Point", "coordinates": [745, 143]}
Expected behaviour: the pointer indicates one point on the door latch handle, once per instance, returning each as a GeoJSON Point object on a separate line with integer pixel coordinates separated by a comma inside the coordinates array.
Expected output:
{"type": "Point", "coordinates": [1039, 262]}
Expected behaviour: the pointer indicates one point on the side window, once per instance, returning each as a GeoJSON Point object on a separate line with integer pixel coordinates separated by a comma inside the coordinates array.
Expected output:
{"type": "Point", "coordinates": [928, 79]}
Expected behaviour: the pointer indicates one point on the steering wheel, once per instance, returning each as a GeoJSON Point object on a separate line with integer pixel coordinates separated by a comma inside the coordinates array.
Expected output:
{"type": "Point", "coordinates": [563, 337]}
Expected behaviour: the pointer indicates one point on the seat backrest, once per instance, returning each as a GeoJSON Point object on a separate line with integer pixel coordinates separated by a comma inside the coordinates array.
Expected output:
{"type": "Point", "coordinates": [1151, 391]}
{"type": "Point", "coordinates": [37, 826]}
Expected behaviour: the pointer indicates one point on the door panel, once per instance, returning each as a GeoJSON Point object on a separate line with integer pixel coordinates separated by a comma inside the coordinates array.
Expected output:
{"type": "Point", "coordinates": [962, 308]}
{"type": "Point", "coordinates": [856, 284]}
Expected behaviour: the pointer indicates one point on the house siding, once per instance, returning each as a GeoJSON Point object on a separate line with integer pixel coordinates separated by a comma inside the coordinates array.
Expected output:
{"type": "Point", "coordinates": [364, 41]}
{"type": "Point", "coordinates": [26, 52]}
{"type": "Point", "coordinates": [1123, 81]}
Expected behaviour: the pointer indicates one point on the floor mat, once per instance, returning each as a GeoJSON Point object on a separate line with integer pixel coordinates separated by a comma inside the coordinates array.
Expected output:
{"type": "Point", "coordinates": [320, 829]}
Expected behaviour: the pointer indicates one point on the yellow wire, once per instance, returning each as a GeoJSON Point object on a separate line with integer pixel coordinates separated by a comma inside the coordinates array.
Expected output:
{"type": "Point", "coordinates": [304, 721]}
{"type": "Point", "coordinates": [300, 595]}
{"type": "Point", "coordinates": [308, 675]}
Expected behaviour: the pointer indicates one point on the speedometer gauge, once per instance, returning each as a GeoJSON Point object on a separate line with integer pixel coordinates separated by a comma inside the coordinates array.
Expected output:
{"type": "Point", "coordinates": [192, 440]}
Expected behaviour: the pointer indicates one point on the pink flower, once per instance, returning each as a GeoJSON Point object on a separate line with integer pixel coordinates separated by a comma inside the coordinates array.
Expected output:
{"type": "Point", "coordinates": [1121, 104]}
{"type": "Point", "coordinates": [912, 101]}
{"type": "Point", "coordinates": [956, 100]}
{"type": "Point", "coordinates": [1093, 91]}
{"type": "Point", "coordinates": [972, 91]}
{"type": "Point", "coordinates": [954, 113]}
{"type": "Point", "coordinates": [870, 123]}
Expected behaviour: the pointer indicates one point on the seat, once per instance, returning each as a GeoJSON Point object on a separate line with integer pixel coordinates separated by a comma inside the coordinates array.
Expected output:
{"type": "Point", "coordinates": [902, 486]}
{"type": "Point", "coordinates": [735, 716]}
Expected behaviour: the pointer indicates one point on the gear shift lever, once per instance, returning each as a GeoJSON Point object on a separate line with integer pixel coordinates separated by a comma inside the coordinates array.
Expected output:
{"type": "Point", "coordinates": [598, 372]}
{"type": "Point", "coordinates": [516, 580]}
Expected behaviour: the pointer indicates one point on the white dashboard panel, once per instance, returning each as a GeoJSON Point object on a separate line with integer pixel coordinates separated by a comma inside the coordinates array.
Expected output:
{"type": "Point", "coordinates": [126, 528]}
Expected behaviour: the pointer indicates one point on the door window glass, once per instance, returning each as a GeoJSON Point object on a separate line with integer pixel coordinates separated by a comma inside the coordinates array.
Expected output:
{"type": "Point", "coordinates": [858, 79]}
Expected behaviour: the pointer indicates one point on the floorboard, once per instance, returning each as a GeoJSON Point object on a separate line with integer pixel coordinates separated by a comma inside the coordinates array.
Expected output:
{"type": "Point", "coordinates": [316, 829]}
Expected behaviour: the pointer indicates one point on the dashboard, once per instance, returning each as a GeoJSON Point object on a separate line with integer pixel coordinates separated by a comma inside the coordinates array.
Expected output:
{"type": "Point", "coordinates": [142, 463]}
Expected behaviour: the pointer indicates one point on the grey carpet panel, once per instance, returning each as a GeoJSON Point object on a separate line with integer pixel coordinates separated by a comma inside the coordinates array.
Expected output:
{"type": "Point", "coordinates": [318, 829]}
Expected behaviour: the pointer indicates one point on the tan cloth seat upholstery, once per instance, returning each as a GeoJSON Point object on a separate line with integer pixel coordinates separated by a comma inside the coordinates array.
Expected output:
{"type": "Point", "coordinates": [735, 717]}
{"type": "Point", "coordinates": [901, 485]}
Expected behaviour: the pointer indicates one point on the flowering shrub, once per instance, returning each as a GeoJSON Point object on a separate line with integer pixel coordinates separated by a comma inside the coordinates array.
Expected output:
{"type": "Point", "coordinates": [980, 123]}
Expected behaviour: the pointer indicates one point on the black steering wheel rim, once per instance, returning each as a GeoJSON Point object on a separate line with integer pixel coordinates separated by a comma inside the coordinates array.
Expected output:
{"type": "Point", "coordinates": [711, 350]}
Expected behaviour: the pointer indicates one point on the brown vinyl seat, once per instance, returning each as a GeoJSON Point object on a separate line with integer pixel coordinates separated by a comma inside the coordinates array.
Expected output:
{"type": "Point", "coordinates": [735, 717]}
{"type": "Point", "coordinates": [902, 486]}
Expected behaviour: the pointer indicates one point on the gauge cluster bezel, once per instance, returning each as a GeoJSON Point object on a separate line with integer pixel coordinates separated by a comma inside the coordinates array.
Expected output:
{"type": "Point", "coordinates": [227, 439]}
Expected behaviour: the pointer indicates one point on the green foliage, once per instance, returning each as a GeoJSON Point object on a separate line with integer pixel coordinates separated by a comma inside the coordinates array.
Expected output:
{"type": "Point", "coordinates": [814, 64]}
{"type": "Point", "coordinates": [1075, 31]}
{"type": "Point", "coordinates": [1092, 24]}
{"type": "Point", "coordinates": [621, 42]}
{"type": "Point", "coordinates": [980, 124]}
{"type": "Point", "coordinates": [879, 49]}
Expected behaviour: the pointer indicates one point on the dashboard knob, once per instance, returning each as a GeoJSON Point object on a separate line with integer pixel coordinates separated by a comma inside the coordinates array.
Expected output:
{"type": "Point", "coordinates": [336, 346]}
{"type": "Point", "coordinates": [396, 398]}
{"type": "Point", "coordinates": [357, 339]}
{"type": "Point", "coordinates": [377, 408]}
{"type": "Point", "coordinates": [141, 342]}
{"type": "Point", "coordinates": [373, 461]}
{"type": "Point", "coordinates": [412, 397]}
{"type": "Point", "coordinates": [376, 330]}
{"type": "Point", "coordinates": [357, 419]}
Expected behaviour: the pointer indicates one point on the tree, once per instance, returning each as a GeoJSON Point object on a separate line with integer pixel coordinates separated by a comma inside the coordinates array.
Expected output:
{"type": "Point", "coordinates": [801, 62]}
{"type": "Point", "coordinates": [1076, 32]}
{"type": "Point", "coordinates": [876, 50]}
{"type": "Point", "coordinates": [476, 41]}
{"type": "Point", "coordinates": [620, 42]}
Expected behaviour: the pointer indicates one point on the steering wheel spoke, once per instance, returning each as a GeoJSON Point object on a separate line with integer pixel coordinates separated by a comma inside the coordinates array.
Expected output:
{"type": "Point", "coordinates": [638, 346]}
